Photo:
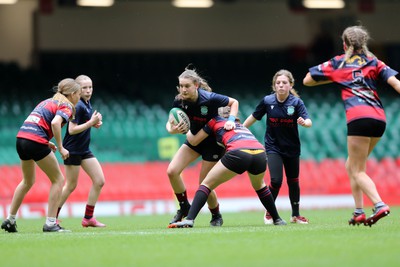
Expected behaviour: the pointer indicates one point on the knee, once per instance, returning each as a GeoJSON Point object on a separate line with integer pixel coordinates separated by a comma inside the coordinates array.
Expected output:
{"type": "Point", "coordinates": [351, 171]}
{"type": "Point", "coordinates": [347, 166]}
{"type": "Point", "coordinates": [70, 187]}
{"type": "Point", "coordinates": [58, 182]}
{"type": "Point", "coordinates": [257, 182]}
{"type": "Point", "coordinates": [276, 183]}
{"type": "Point", "coordinates": [28, 183]}
{"type": "Point", "coordinates": [99, 183]}
{"type": "Point", "coordinates": [172, 173]}
{"type": "Point", "coordinates": [293, 181]}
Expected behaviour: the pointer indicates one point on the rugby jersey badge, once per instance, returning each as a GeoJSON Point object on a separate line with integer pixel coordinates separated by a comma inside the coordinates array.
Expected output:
{"type": "Point", "coordinates": [204, 110]}
{"type": "Point", "coordinates": [290, 110]}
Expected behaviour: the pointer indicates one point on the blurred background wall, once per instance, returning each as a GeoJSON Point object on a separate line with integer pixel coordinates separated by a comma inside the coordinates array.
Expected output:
{"type": "Point", "coordinates": [30, 27]}
{"type": "Point", "coordinates": [135, 49]}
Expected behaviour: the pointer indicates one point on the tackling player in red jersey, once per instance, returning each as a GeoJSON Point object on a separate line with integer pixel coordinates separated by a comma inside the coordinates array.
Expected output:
{"type": "Point", "coordinates": [243, 153]}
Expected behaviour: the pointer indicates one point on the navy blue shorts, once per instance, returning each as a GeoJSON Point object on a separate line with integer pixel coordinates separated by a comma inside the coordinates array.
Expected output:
{"type": "Point", "coordinates": [366, 127]}
{"type": "Point", "coordinates": [77, 159]}
{"type": "Point", "coordinates": [208, 149]}
{"type": "Point", "coordinates": [252, 160]}
{"type": "Point", "coordinates": [28, 149]}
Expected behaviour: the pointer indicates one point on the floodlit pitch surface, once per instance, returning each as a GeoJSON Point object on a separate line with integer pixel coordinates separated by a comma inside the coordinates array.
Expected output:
{"type": "Point", "coordinates": [243, 241]}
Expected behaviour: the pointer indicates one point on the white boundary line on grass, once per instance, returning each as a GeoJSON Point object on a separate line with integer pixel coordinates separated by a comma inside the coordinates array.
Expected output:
{"type": "Point", "coordinates": [151, 207]}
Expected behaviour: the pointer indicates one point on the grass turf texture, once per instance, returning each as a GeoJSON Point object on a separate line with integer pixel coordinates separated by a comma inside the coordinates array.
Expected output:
{"type": "Point", "coordinates": [243, 241]}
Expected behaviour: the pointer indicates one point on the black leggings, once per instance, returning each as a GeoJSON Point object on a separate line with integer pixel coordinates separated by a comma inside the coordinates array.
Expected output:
{"type": "Point", "coordinates": [276, 163]}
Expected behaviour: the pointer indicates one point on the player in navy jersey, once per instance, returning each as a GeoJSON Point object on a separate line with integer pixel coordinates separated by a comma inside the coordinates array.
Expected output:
{"type": "Point", "coordinates": [243, 153]}
{"type": "Point", "coordinates": [285, 111]}
{"type": "Point", "coordinates": [201, 105]}
{"type": "Point", "coordinates": [358, 72]}
{"type": "Point", "coordinates": [34, 146]}
{"type": "Point", "coordinates": [77, 140]}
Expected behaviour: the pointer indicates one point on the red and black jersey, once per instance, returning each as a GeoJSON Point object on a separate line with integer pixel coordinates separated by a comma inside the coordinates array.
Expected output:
{"type": "Point", "coordinates": [238, 138]}
{"type": "Point", "coordinates": [358, 79]}
{"type": "Point", "coordinates": [37, 126]}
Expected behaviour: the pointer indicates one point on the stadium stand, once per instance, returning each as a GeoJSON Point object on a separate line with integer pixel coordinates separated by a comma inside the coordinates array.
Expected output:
{"type": "Point", "coordinates": [132, 129]}
{"type": "Point", "coordinates": [134, 93]}
{"type": "Point", "coordinates": [133, 133]}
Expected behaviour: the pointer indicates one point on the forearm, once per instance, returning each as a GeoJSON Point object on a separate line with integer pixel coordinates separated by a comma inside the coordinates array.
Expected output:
{"type": "Point", "coordinates": [249, 121]}
{"type": "Point", "coordinates": [234, 108]}
{"type": "Point", "coordinates": [395, 83]}
{"type": "Point", "coordinates": [309, 81]}
{"type": "Point", "coordinates": [56, 128]}
{"type": "Point", "coordinates": [76, 129]}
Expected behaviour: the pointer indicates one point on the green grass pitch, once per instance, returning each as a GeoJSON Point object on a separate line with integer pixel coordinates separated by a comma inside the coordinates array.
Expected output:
{"type": "Point", "coordinates": [243, 241]}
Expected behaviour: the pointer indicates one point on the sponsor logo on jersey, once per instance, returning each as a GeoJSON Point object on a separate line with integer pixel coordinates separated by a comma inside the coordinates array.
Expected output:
{"type": "Point", "coordinates": [32, 119]}
{"type": "Point", "coordinates": [356, 61]}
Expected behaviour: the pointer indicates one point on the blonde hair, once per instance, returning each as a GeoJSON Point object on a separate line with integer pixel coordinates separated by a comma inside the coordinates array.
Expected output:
{"type": "Point", "coordinates": [224, 112]}
{"type": "Point", "coordinates": [289, 75]}
{"type": "Point", "coordinates": [81, 78]}
{"type": "Point", "coordinates": [64, 88]}
{"type": "Point", "coordinates": [196, 78]}
{"type": "Point", "coordinates": [356, 39]}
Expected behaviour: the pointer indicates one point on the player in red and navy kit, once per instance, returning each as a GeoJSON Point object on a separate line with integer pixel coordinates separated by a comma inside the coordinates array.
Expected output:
{"type": "Point", "coordinates": [243, 153]}
{"type": "Point", "coordinates": [33, 145]}
{"type": "Point", "coordinates": [200, 104]}
{"type": "Point", "coordinates": [77, 141]}
{"type": "Point", "coordinates": [285, 111]}
{"type": "Point", "coordinates": [358, 72]}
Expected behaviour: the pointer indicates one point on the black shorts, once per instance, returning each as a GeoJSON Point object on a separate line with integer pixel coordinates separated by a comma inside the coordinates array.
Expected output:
{"type": "Point", "coordinates": [208, 149]}
{"type": "Point", "coordinates": [252, 160]}
{"type": "Point", "coordinates": [366, 127]}
{"type": "Point", "coordinates": [28, 149]}
{"type": "Point", "coordinates": [77, 159]}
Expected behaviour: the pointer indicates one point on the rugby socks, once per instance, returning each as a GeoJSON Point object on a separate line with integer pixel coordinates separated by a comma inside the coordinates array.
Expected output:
{"type": "Point", "coordinates": [182, 198]}
{"type": "Point", "coordinates": [294, 195]}
{"type": "Point", "coordinates": [50, 221]}
{"type": "Point", "coordinates": [89, 211]}
{"type": "Point", "coordinates": [274, 191]}
{"type": "Point", "coordinates": [295, 208]}
{"type": "Point", "coordinates": [200, 199]}
{"type": "Point", "coordinates": [358, 211]}
{"type": "Point", "coordinates": [266, 198]}
{"type": "Point", "coordinates": [215, 210]}
{"type": "Point", "coordinates": [12, 218]}
{"type": "Point", "coordinates": [380, 204]}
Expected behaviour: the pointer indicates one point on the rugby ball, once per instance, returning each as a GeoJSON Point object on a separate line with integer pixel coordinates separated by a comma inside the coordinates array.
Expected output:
{"type": "Point", "coordinates": [176, 115]}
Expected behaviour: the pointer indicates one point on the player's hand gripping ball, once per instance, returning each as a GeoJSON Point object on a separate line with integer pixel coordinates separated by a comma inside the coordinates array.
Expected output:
{"type": "Point", "coordinates": [177, 115]}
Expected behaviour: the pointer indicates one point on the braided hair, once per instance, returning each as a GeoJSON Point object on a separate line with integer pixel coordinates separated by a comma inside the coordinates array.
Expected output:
{"type": "Point", "coordinates": [356, 39]}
